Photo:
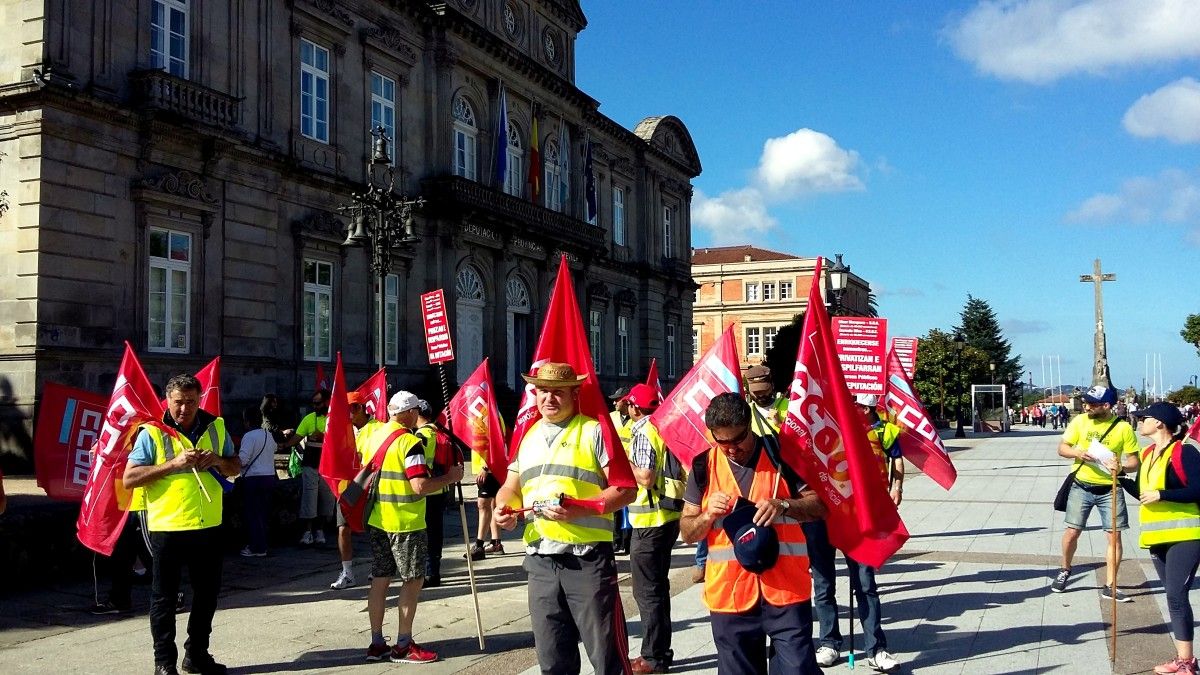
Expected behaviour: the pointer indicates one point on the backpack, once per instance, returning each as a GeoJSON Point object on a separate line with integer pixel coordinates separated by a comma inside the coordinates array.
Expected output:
{"type": "Point", "coordinates": [1176, 459]}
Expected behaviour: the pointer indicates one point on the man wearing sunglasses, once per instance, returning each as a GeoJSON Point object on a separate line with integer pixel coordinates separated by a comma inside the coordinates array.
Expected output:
{"type": "Point", "coordinates": [773, 599]}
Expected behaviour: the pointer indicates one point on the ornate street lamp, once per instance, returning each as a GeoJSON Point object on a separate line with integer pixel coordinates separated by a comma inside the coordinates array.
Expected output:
{"type": "Point", "coordinates": [959, 343]}
{"type": "Point", "coordinates": [381, 221]}
{"type": "Point", "coordinates": [839, 272]}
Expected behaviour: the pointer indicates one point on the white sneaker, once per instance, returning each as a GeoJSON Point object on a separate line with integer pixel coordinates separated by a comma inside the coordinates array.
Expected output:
{"type": "Point", "coordinates": [883, 661]}
{"type": "Point", "coordinates": [319, 537]}
{"type": "Point", "coordinates": [306, 539]}
{"type": "Point", "coordinates": [344, 581]}
{"type": "Point", "coordinates": [827, 656]}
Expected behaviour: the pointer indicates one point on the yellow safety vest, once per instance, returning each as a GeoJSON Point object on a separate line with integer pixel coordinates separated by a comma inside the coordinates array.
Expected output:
{"type": "Point", "coordinates": [400, 508]}
{"type": "Point", "coordinates": [882, 438]}
{"type": "Point", "coordinates": [624, 429]}
{"type": "Point", "coordinates": [569, 468]}
{"type": "Point", "coordinates": [1164, 522]}
{"type": "Point", "coordinates": [428, 435]}
{"type": "Point", "coordinates": [662, 504]}
{"type": "Point", "coordinates": [774, 421]}
{"type": "Point", "coordinates": [175, 502]}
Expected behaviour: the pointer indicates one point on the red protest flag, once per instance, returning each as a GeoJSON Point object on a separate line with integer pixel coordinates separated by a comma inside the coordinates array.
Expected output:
{"type": "Point", "coordinates": [210, 387]}
{"type": "Point", "coordinates": [68, 424]}
{"type": "Point", "coordinates": [374, 395]}
{"type": "Point", "coordinates": [472, 416]}
{"type": "Point", "coordinates": [680, 419]}
{"type": "Point", "coordinates": [653, 381]}
{"type": "Point", "coordinates": [922, 445]}
{"type": "Point", "coordinates": [1194, 432]}
{"type": "Point", "coordinates": [824, 439]}
{"type": "Point", "coordinates": [563, 340]}
{"type": "Point", "coordinates": [105, 499]}
{"type": "Point", "coordinates": [339, 456]}
{"type": "Point", "coordinates": [322, 381]}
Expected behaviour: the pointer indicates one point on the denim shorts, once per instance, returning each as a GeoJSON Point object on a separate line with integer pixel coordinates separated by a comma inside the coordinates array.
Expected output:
{"type": "Point", "coordinates": [1080, 503]}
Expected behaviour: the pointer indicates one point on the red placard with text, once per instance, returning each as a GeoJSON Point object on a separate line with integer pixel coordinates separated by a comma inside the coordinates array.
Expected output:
{"type": "Point", "coordinates": [437, 327]}
{"type": "Point", "coordinates": [906, 351]}
{"type": "Point", "coordinates": [68, 424]}
{"type": "Point", "coordinates": [861, 344]}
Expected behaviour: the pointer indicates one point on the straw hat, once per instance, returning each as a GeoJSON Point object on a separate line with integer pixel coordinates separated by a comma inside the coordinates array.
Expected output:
{"type": "Point", "coordinates": [554, 375]}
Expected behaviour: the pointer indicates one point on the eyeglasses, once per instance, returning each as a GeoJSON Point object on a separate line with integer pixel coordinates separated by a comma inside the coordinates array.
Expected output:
{"type": "Point", "coordinates": [732, 442]}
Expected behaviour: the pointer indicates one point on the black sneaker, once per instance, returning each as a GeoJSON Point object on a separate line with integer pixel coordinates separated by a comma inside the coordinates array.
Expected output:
{"type": "Point", "coordinates": [1106, 593]}
{"type": "Point", "coordinates": [476, 552]}
{"type": "Point", "coordinates": [105, 608]}
{"type": "Point", "coordinates": [204, 665]}
{"type": "Point", "coordinates": [1060, 581]}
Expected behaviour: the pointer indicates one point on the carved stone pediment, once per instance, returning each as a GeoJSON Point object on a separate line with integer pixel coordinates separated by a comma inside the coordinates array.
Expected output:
{"type": "Point", "coordinates": [320, 225]}
{"type": "Point", "coordinates": [598, 292]}
{"type": "Point", "coordinates": [180, 183]}
{"type": "Point", "coordinates": [627, 299]}
{"type": "Point", "coordinates": [331, 8]}
{"type": "Point", "coordinates": [392, 41]}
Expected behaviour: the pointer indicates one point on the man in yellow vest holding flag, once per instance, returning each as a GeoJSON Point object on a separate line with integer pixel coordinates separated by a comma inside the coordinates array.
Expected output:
{"type": "Point", "coordinates": [171, 460]}
{"type": "Point", "coordinates": [654, 516]}
{"type": "Point", "coordinates": [573, 592]}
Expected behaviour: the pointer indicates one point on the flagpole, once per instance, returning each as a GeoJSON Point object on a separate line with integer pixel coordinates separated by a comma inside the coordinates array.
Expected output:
{"type": "Point", "coordinates": [462, 516]}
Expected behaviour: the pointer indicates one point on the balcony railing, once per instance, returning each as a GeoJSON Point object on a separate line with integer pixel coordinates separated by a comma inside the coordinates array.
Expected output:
{"type": "Point", "coordinates": [458, 193]}
{"type": "Point", "coordinates": [158, 90]}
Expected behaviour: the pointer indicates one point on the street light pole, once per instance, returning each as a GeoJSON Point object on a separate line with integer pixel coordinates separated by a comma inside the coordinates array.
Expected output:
{"type": "Point", "coordinates": [959, 343]}
{"type": "Point", "coordinates": [382, 222]}
{"type": "Point", "coordinates": [839, 272]}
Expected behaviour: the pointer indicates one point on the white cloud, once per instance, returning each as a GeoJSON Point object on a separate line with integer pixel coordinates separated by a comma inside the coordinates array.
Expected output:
{"type": "Point", "coordinates": [806, 161]}
{"type": "Point", "coordinates": [1019, 326]}
{"type": "Point", "coordinates": [1172, 112]}
{"type": "Point", "coordinates": [905, 292]}
{"type": "Point", "coordinates": [733, 217]}
{"type": "Point", "coordinates": [1040, 41]}
{"type": "Point", "coordinates": [1173, 196]}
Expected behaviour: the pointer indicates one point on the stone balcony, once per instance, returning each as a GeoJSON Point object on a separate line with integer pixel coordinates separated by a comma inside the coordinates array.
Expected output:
{"type": "Point", "coordinates": [160, 91]}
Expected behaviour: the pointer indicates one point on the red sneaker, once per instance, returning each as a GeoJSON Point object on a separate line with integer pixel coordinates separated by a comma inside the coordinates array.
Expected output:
{"type": "Point", "coordinates": [377, 652]}
{"type": "Point", "coordinates": [413, 653]}
{"type": "Point", "coordinates": [1176, 665]}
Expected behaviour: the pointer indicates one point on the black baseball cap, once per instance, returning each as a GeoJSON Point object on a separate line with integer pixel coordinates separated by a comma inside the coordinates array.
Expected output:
{"type": "Point", "coordinates": [1162, 411]}
{"type": "Point", "coordinates": [755, 547]}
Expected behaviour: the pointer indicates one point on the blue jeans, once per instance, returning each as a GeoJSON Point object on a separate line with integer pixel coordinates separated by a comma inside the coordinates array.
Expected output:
{"type": "Point", "coordinates": [701, 552]}
{"type": "Point", "coordinates": [1080, 503]}
{"type": "Point", "coordinates": [862, 582]}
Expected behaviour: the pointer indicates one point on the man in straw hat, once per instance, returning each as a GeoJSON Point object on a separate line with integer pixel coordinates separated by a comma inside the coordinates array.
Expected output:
{"type": "Point", "coordinates": [573, 592]}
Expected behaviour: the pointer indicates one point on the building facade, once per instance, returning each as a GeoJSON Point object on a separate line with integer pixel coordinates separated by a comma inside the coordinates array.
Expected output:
{"type": "Point", "coordinates": [761, 291]}
{"type": "Point", "coordinates": [171, 174]}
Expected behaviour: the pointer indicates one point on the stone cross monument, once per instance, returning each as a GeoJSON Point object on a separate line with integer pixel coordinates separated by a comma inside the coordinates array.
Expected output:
{"type": "Point", "coordinates": [1100, 373]}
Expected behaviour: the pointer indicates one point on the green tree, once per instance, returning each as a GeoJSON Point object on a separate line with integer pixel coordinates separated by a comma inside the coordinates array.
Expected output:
{"type": "Point", "coordinates": [1191, 331]}
{"type": "Point", "coordinates": [944, 374]}
{"type": "Point", "coordinates": [1185, 395]}
{"type": "Point", "coordinates": [981, 330]}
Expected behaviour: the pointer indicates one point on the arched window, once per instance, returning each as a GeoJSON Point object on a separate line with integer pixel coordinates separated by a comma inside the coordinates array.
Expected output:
{"type": "Point", "coordinates": [470, 299]}
{"type": "Point", "coordinates": [466, 134]}
{"type": "Point", "coordinates": [553, 182]}
{"type": "Point", "coordinates": [514, 178]}
{"type": "Point", "coordinates": [520, 329]}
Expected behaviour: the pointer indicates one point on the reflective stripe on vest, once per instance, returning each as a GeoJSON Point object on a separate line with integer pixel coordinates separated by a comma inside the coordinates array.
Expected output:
{"type": "Point", "coordinates": [728, 587]}
{"type": "Point", "coordinates": [568, 468]}
{"type": "Point", "coordinates": [400, 508]}
{"type": "Point", "coordinates": [662, 504]}
{"type": "Point", "coordinates": [1164, 522]}
{"type": "Point", "coordinates": [175, 502]}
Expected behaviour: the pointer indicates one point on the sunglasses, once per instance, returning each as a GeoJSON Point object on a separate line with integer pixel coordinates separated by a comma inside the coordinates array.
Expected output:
{"type": "Point", "coordinates": [732, 442]}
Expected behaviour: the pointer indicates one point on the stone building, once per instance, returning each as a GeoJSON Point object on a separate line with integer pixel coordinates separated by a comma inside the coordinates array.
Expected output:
{"type": "Point", "coordinates": [762, 291]}
{"type": "Point", "coordinates": [171, 173]}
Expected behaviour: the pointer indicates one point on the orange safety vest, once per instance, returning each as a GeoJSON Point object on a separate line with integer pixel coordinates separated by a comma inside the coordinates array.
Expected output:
{"type": "Point", "coordinates": [728, 587]}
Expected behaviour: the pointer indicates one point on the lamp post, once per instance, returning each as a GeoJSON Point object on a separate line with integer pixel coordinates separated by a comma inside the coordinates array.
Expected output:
{"type": "Point", "coordinates": [839, 272]}
{"type": "Point", "coordinates": [959, 343]}
{"type": "Point", "coordinates": [992, 368]}
{"type": "Point", "coordinates": [382, 222]}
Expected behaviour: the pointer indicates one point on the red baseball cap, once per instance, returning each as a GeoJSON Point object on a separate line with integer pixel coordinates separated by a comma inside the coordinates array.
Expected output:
{"type": "Point", "coordinates": [643, 396]}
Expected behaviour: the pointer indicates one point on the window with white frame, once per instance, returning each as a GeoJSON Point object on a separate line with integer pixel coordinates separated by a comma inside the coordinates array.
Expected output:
{"type": "Point", "coordinates": [753, 342]}
{"type": "Point", "coordinates": [668, 231]}
{"type": "Point", "coordinates": [383, 111]}
{"type": "Point", "coordinates": [595, 336]}
{"type": "Point", "coordinates": [622, 345]}
{"type": "Point", "coordinates": [514, 177]}
{"type": "Point", "coordinates": [752, 292]}
{"type": "Point", "coordinates": [695, 343]}
{"type": "Point", "coordinates": [785, 290]}
{"type": "Point", "coordinates": [314, 91]}
{"type": "Point", "coordinates": [618, 216]}
{"type": "Point", "coordinates": [672, 351]}
{"type": "Point", "coordinates": [169, 36]}
{"type": "Point", "coordinates": [317, 327]}
{"type": "Point", "coordinates": [769, 337]}
{"type": "Point", "coordinates": [169, 327]}
{"type": "Point", "coordinates": [466, 137]}
{"type": "Point", "coordinates": [768, 291]}
{"type": "Point", "coordinates": [391, 319]}
{"type": "Point", "coordinates": [552, 183]}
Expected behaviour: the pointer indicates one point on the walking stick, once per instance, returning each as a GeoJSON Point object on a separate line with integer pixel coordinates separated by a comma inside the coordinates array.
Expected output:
{"type": "Point", "coordinates": [462, 516]}
{"type": "Point", "coordinates": [1116, 564]}
{"type": "Point", "coordinates": [850, 658]}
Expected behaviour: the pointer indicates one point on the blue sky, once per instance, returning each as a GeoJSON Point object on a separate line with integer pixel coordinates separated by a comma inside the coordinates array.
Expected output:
{"type": "Point", "coordinates": [945, 148]}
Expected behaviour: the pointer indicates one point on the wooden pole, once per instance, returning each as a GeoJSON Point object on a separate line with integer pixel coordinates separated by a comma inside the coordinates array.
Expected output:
{"type": "Point", "coordinates": [850, 657]}
{"type": "Point", "coordinates": [1116, 563]}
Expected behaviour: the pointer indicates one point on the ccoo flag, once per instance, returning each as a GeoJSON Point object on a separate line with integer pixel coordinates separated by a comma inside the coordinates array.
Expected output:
{"type": "Point", "coordinates": [472, 416]}
{"type": "Point", "coordinates": [563, 341]}
{"type": "Point", "coordinates": [652, 380]}
{"type": "Point", "coordinates": [374, 395]}
{"type": "Point", "coordinates": [339, 456]}
{"type": "Point", "coordinates": [824, 438]}
{"type": "Point", "coordinates": [680, 419]}
{"type": "Point", "coordinates": [922, 445]}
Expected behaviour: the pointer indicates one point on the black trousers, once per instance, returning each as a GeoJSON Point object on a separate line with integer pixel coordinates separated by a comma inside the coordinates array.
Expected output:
{"type": "Point", "coordinates": [130, 545]}
{"type": "Point", "coordinates": [650, 562]}
{"type": "Point", "coordinates": [200, 552]}
{"type": "Point", "coordinates": [741, 640]}
{"type": "Point", "coordinates": [435, 522]}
